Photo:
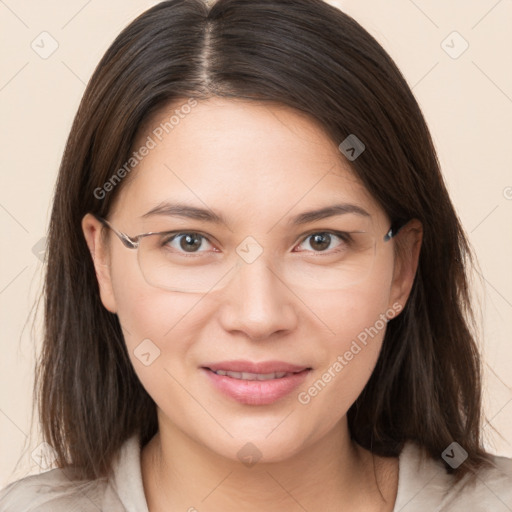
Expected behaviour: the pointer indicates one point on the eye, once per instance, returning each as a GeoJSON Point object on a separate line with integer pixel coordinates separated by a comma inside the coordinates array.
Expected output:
{"type": "Point", "coordinates": [186, 242]}
{"type": "Point", "coordinates": [323, 240]}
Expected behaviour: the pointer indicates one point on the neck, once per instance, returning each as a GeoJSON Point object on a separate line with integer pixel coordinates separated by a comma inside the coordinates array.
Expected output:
{"type": "Point", "coordinates": [182, 474]}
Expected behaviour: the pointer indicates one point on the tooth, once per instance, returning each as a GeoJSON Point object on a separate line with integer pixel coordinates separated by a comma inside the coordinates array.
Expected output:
{"type": "Point", "coordinates": [266, 376]}
{"type": "Point", "coordinates": [252, 376]}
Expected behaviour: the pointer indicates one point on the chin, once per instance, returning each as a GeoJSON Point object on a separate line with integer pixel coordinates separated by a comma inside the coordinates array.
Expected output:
{"type": "Point", "coordinates": [252, 446]}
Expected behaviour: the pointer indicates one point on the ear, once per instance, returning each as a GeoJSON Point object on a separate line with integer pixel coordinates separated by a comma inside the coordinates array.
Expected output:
{"type": "Point", "coordinates": [408, 241]}
{"type": "Point", "coordinates": [100, 253]}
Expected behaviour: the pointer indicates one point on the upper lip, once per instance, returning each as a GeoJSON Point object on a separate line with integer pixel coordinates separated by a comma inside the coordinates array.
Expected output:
{"type": "Point", "coordinates": [262, 367]}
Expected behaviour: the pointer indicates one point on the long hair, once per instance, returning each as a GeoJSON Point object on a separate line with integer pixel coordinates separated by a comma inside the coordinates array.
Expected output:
{"type": "Point", "coordinates": [426, 386]}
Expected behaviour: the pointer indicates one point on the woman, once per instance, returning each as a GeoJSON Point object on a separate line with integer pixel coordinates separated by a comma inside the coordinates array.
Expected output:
{"type": "Point", "coordinates": [256, 295]}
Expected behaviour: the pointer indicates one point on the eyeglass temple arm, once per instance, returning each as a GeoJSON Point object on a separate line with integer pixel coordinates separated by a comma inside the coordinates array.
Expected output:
{"type": "Point", "coordinates": [394, 229]}
{"type": "Point", "coordinates": [127, 241]}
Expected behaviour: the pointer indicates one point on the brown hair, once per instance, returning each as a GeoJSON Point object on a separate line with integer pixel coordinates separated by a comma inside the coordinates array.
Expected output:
{"type": "Point", "coordinates": [312, 57]}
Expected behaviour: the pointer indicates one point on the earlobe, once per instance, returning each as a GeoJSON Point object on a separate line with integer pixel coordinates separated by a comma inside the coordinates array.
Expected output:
{"type": "Point", "coordinates": [92, 230]}
{"type": "Point", "coordinates": [409, 241]}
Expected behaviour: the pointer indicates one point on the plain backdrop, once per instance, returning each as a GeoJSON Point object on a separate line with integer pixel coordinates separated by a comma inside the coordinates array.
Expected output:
{"type": "Point", "coordinates": [455, 55]}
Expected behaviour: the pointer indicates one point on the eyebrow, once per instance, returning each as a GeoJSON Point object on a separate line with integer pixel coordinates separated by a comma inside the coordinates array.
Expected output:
{"type": "Point", "coordinates": [186, 211]}
{"type": "Point", "coordinates": [328, 211]}
{"type": "Point", "coordinates": [207, 215]}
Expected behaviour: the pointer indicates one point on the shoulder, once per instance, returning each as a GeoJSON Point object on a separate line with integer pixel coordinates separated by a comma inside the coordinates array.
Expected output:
{"type": "Point", "coordinates": [55, 491]}
{"type": "Point", "coordinates": [59, 489]}
{"type": "Point", "coordinates": [425, 485]}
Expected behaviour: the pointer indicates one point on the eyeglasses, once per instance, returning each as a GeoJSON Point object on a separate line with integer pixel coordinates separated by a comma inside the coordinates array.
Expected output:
{"type": "Point", "coordinates": [172, 260]}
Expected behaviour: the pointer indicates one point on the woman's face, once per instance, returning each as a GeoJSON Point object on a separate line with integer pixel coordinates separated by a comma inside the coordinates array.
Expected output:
{"type": "Point", "coordinates": [291, 298]}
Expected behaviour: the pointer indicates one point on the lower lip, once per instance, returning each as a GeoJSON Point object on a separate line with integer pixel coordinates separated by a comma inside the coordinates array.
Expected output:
{"type": "Point", "coordinates": [256, 392]}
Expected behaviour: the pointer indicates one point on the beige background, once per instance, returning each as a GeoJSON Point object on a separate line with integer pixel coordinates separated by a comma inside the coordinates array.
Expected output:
{"type": "Point", "coordinates": [467, 102]}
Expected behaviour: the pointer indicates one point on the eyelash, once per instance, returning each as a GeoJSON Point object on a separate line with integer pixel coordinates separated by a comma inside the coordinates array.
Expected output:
{"type": "Point", "coordinates": [342, 236]}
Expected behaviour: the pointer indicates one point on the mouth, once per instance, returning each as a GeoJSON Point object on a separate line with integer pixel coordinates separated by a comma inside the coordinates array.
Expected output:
{"type": "Point", "coordinates": [265, 384]}
{"type": "Point", "coordinates": [253, 376]}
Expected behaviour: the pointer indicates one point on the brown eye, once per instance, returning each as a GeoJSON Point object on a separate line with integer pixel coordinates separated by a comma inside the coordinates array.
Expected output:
{"type": "Point", "coordinates": [320, 241]}
{"type": "Point", "coordinates": [190, 242]}
{"type": "Point", "coordinates": [186, 242]}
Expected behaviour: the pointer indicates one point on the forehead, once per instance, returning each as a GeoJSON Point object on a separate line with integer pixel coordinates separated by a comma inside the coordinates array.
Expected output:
{"type": "Point", "coordinates": [239, 156]}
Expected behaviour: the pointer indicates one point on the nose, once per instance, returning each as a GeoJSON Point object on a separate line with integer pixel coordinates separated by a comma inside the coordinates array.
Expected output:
{"type": "Point", "coordinates": [257, 303]}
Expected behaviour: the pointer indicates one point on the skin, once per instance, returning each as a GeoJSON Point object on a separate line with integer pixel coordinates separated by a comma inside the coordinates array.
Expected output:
{"type": "Point", "coordinates": [258, 164]}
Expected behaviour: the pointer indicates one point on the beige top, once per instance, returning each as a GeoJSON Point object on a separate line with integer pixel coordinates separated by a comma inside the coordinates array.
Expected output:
{"type": "Point", "coordinates": [423, 486]}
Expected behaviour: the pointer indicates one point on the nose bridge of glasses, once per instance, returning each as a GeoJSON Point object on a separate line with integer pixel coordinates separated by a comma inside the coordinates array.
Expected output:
{"type": "Point", "coordinates": [254, 267]}
{"type": "Point", "coordinates": [254, 260]}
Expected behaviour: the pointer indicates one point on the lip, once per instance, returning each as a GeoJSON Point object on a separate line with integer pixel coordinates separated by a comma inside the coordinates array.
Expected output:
{"type": "Point", "coordinates": [256, 392]}
{"type": "Point", "coordinates": [240, 365]}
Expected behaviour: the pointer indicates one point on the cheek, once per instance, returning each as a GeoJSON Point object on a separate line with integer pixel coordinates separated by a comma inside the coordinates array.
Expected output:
{"type": "Point", "coordinates": [143, 310]}
{"type": "Point", "coordinates": [357, 323]}
{"type": "Point", "coordinates": [156, 325]}
{"type": "Point", "coordinates": [348, 314]}
{"type": "Point", "coordinates": [160, 330]}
